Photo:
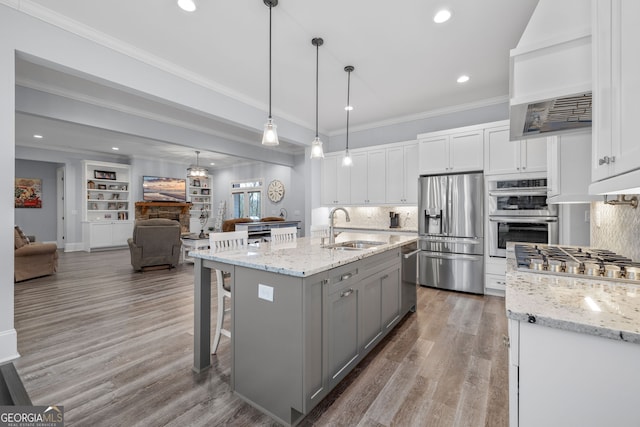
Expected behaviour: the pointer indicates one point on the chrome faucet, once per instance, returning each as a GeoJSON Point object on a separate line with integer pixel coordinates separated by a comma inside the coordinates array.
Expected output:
{"type": "Point", "coordinates": [332, 236]}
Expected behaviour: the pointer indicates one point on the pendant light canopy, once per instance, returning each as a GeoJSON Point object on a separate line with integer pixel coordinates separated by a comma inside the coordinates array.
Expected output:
{"type": "Point", "coordinates": [270, 136]}
{"type": "Point", "coordinates": [346, 160]}
{"type": "Point", "coordinates": [316, 145]}
{"type": "Point", "coordinates": [195, 171]}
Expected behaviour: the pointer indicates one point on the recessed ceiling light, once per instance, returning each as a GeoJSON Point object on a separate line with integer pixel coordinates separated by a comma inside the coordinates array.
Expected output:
{"type": "Point", "coordinates": [38, 136]}
{"type": "Point", "coordinates": [463, 79]}
{"type": "Point", "coordinates": [442, 16]}
{"type": "Point", "coordinates": [115, 148]}
{"type": "Point", "coordinates": [212, 164]}
{"type": "Point", "coordinates": [187, 5]}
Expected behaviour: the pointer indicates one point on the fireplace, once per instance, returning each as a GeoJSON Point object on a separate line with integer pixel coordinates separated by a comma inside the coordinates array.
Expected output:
{"type": "Point", "coordinates": [167, 210]}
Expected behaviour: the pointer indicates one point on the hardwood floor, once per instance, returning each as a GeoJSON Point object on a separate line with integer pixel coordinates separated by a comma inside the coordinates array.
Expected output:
{"type": "Point", "coordinates": [115, 348]}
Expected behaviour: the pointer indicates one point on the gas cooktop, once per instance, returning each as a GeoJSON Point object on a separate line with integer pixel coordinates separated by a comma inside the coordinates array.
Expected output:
{"type": "Point", "coordinates": [576, 261]}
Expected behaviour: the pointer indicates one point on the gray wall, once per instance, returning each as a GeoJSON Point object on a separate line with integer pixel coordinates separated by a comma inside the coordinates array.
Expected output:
{"type": "Point", "coordinates": [41, 223]}
{"type": "Point", "coordinates": [292, 178]}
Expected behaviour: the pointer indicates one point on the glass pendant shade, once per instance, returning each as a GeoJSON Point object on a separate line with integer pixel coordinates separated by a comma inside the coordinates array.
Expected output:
{"type": "Point", "coordinates": [316, 149]}
{"type": "Point", "coordinates": [270, 135]}
{"type": "Point", "coordinates": [346, 160]}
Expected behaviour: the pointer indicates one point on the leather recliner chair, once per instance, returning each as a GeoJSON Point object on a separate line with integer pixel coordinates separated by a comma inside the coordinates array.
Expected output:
{"type": "Point", "coordinates": [32, 259]}
{"type": "Point", "coordinates": [155, 242]}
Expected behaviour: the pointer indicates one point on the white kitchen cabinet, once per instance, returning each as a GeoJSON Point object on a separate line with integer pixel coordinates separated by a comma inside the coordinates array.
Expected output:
{"type": "Point", "coordinates": [568, 171]}
{"type": "Point", "coordinates": [451, 152]}
{"type": "Point", "coordinates": [503, 156]}
{"type": "Point", "coordinates": [368, 177]}
{"type": "Point", "coordinates": [616, 88]}
{"type": "Point", "coordinates": [402, 174]}
{"type": "Point", "coordinates": [565, 378]}
{"type": "Point", "coordinates": [336, 181]}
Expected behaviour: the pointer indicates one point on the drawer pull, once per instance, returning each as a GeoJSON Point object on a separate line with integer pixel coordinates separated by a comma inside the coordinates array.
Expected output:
{"type": "Point", "coordinates": [346, 276]}
{"type": "Point", "coordinates": [346, 293]}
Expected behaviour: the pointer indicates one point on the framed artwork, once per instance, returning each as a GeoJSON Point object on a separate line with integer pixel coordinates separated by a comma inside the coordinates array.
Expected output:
{"type": "Point", "coordinates": [104, 175]}
{"type": "Point", "coordinates": [204, 191]}
{"type": "Point", "coordinates": [28, 193]}
{"type": "Point", "coordinates": [196, 183]}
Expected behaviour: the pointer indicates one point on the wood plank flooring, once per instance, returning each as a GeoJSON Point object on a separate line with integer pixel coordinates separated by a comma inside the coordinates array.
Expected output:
{"type": "Point", "coordinates": [115, 348]}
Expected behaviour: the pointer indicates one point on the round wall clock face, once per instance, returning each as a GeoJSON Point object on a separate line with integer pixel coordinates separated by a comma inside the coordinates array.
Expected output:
{"type": "Point", "coordinates": [275, 191]}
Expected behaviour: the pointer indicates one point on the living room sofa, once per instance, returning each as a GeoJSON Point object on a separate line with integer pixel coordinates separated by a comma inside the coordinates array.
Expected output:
{"type": "Point", "coordinates": [33, 259]}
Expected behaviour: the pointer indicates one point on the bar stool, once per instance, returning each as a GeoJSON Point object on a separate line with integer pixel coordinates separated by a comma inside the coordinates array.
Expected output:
{"type": "Point", "coordinates": [220, 242]}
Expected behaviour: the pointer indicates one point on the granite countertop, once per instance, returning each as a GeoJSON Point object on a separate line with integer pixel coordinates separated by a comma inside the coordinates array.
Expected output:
{"type": "Point", "coordinates": [604, 308]}
{"type": "Point", "coordinates": [305, 256]}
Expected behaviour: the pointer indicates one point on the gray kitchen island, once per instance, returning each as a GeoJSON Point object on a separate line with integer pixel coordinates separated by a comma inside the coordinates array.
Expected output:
{"type": "Point", "coordinates": [303, 315]}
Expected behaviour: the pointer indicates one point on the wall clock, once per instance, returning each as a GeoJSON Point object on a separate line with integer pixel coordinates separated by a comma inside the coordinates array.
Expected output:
{"type": "Point", "coordinates": [275, 191]}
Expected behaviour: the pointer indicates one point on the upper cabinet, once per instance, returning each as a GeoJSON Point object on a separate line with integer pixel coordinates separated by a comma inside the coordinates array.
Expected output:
{"type": "Point", "coordinates": [616, 67]}
{"type": "Point", "coordinates": [451, 151]}
{"type": "Point", "coordinates": [336, 181]}
{"type": "Point", "coordinates": [402, 174]}
{"type": "Point", "coordinates": [504, 156]}
{"type": "Point", "coordinates": [381, 175]}
{"type": "Point", "coordinates": [368, 177]}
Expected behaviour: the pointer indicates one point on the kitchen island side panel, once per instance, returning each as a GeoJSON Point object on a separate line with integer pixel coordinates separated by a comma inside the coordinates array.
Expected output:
{"type": "Point", "coordinates": [267, 340]}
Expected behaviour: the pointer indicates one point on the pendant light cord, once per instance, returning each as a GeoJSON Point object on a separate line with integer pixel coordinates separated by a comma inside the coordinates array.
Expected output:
{"type": "Point", "coordinates": [270, 7]}
{"type": "Point", "coordinates": [348, 105]}
{"type": "Point", "coordinates": [317, 59]}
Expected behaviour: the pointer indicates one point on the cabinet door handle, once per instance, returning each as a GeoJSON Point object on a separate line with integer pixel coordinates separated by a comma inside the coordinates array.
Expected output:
{"type": "Point", "coordinates": [386, 276]}
{"type": "Point", "coordinates": [524, 167]}
{"type": "Point", "coordinates": [346, 276]}
{"type": "Point", "coordinates": [346, 293]}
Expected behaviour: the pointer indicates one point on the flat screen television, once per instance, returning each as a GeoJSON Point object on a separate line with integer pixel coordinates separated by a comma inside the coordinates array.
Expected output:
{"type": "Point", "coordinates": [161, 189]}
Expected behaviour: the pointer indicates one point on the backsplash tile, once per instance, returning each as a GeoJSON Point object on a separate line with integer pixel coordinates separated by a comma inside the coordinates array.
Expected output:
{"type": "Point", "coordinates": [616, 228]}
{"type": "Point", "coordinates": [378, 217]}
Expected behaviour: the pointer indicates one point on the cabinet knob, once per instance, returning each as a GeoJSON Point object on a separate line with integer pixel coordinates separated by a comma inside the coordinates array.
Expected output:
{"type": "Point", "coordinates": [524, 167]}
{"type": "Point", "coordinates": [605, 160]}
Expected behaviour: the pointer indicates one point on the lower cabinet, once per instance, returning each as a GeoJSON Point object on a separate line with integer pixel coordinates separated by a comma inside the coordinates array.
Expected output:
{"type": "Point", "coordinates": [297, 340]}
{"type": "Point", "coordinates": [565, 378]}
{"type": "Point", "coordinates": [106, 234]}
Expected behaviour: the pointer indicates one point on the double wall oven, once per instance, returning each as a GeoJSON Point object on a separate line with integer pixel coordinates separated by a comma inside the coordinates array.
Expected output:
{"type": "Point", "coordinates": [518, 212]}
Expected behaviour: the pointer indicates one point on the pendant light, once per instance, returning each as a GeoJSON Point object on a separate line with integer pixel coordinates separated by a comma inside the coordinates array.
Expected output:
{"type": "Point", "coordinates": [316, 145]}
{"type": "Point", "coordinates": [270, 136]}
{"type": "Point", "coordinates": [195, 171]}
{"type": "Point", "coordinates": [346, 160]}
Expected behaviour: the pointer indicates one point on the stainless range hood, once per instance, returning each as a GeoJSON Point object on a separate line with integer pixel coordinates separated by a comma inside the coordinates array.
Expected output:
{"type": "Point", "coordinates": [550, 74]}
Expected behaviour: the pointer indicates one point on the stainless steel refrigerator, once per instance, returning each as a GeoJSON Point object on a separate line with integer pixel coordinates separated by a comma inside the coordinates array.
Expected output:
{"type": "Point", "coordinates": [451, 232]}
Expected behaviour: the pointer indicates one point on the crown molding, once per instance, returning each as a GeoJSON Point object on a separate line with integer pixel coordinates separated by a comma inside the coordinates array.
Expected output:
{"type": "Point", "coordinates": [65, 23]}
{"type": "Point", "coordinates": [424, 115]}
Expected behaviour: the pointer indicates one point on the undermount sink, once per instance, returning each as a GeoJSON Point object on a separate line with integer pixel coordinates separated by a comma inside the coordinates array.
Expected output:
{"type": "Point", "coordinates": [354, 245]}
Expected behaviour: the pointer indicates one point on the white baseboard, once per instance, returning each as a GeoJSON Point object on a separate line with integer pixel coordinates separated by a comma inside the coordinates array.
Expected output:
{"type": "Point", "coordinates": [8, 345]}
{"type": "Point", "coordinates": [74, 247]}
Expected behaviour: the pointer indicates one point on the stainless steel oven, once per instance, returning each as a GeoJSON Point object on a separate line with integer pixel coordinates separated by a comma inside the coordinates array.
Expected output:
{"type": "Point", "coordinates": [518, 212]}
{"type": "Point", "coordinates": [531, 229]}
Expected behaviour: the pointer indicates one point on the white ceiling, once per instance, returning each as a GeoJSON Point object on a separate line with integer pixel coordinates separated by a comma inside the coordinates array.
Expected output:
{"type": "Point", "coordinates": [405, 64]}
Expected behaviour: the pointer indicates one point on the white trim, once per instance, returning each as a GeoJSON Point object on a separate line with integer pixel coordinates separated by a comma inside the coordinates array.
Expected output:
{"type": "Point", "coordinates": [74, 247]}
{"type": "Point", "coordinates": [8, 345]}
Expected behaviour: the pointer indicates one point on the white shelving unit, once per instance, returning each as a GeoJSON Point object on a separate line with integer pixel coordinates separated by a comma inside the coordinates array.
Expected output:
{"type": "Point", "coordinates": [107, 215]}
{"type": "Point", "coordinates": [199, 194]}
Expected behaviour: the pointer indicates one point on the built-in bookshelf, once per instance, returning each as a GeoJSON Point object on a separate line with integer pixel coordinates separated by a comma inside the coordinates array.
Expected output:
{"type": "Point", "coordinates": [107, 214]}
{"type": "Point", "coordinates": [199, 194]}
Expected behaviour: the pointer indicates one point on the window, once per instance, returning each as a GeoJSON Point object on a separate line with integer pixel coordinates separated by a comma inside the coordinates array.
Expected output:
{"type": "Point", "coordinates": [247, 198]}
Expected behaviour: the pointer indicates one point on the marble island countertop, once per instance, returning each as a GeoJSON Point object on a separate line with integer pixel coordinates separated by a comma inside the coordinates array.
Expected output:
{"type": "Point", "coordinates": [605, 308]}
{"type": "Point", "coordinates": [364, 229]}
{"type": "Point", "coordinates": [305, 256]}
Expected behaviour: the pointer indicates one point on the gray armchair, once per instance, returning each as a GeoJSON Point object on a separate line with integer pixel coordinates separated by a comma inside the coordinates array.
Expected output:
{"type": "Point", "coordinates": [155, 242]}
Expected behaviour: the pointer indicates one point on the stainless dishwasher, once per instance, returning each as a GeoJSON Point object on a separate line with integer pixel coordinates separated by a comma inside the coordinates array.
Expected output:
{"type": "Point", "coordinates": [409, 276]}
